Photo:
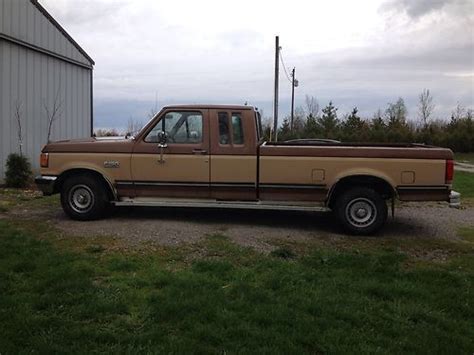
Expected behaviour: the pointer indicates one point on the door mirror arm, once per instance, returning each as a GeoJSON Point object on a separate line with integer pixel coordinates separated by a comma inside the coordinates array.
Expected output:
{"type": "Point", "coordinates": [162, 144]}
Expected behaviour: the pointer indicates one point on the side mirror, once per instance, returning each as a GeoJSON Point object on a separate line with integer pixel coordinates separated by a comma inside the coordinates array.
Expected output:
{"type": "Point", "coordinates": [162, 139]}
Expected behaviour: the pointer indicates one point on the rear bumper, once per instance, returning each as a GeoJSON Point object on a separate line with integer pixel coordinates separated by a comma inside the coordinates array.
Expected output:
{"type": "Point", "coordinates": [46, 184]}
{"type": "Point", "coordinates": [454, 199]}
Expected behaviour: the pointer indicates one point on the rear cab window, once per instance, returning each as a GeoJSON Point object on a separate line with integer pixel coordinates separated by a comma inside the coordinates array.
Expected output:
{"type": "Point", "coordinates": [231, 130]}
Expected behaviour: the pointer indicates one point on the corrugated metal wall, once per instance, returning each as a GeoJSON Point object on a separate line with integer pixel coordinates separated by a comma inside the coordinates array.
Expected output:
{"type": "Point", "coordinates": [35, 81]}
{"type": "Point", "coordinates": [22, 20]}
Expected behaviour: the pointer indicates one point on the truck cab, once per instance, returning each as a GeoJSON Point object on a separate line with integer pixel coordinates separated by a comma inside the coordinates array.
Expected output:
{"type": "Point", "coordinates": [209, 153]}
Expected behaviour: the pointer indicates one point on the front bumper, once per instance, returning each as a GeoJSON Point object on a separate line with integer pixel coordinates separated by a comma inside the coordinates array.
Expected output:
{"type": "Point", "coordinates": [46, 184]}
{"type": "Point", "coordinates": [454, 199]}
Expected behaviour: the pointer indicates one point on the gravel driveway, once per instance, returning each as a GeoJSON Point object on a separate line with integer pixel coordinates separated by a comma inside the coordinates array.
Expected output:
{"type": "Point", "coordinates": [258, 229]}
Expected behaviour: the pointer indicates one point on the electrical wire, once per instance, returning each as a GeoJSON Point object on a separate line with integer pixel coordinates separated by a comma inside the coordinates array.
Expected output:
{"type": "Point", "coordinates": [284, 68]}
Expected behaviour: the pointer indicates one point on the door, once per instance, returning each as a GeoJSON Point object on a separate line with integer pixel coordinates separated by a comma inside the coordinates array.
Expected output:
{"type": "Point", "coordinates": [233, 154]}
{"type": "Point", "coordinates": [181, 169]}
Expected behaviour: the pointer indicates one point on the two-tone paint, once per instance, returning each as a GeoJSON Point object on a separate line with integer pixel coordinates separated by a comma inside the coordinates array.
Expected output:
{"type": "Point", "coordinates": [251, 171]}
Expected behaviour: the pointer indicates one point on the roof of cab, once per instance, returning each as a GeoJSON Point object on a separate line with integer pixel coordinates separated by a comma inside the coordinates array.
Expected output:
{"type": "Point", "coordinates": [205, 106]}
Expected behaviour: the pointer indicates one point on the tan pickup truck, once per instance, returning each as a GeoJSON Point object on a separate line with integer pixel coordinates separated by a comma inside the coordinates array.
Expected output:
{"type": "Point", "coordinates": [214, 156]}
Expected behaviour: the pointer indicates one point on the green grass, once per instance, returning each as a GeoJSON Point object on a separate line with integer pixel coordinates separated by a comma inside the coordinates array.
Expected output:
{"type": "Point", "coordinates": [464, 157]}
{"type": "Point", "coordinates": [230, 299]}
{"type": "Point", "coordinates": [11, 199]}
{"type": "Point", "coordinates": [467, 233]}
{"type": "Point", "coordinates": [464, 183]}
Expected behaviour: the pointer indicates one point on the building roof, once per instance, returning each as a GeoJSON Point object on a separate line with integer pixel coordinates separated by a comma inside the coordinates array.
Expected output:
{"type": "Point", "coordinates": [62, 30]}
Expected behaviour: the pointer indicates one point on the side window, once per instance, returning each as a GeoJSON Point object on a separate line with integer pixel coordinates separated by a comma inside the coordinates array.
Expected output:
{"type": "Point", "coordinates": [237, 131]}
{"type": "Point", "coordinates": [224, 135]}
{"type": "Point", "coordinates": [181, 127]}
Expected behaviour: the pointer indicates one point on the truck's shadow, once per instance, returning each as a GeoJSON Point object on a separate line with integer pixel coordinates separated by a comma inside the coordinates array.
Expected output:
{"type": "Point", "coordinates": [276, 219]}
{"type": "Point", "coordinates": [323, 222]}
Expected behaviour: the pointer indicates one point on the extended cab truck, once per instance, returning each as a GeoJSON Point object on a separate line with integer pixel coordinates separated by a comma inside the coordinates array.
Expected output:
{"type": "Point", "coordinates": [214, 156]}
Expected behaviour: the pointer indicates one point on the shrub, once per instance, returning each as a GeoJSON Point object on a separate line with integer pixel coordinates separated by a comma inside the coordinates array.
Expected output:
{"type": "Point", "coordinates": [18, 172]}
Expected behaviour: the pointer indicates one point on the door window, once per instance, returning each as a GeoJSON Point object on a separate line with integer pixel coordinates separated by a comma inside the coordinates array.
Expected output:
{"type": "Point", "coordinates": [181, 127]}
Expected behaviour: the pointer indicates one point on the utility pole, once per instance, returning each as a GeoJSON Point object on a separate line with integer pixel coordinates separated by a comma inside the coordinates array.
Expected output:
{"type": "Point", "coordinates": [275, 100]}
{"type": "Point", "coordinates": [294, 84]}
{"type": "Point", "coordinates": [292, 97]}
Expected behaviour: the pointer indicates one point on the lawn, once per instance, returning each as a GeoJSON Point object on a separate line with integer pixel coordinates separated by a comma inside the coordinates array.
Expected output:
{"type": "Point", "coordinates": [464, 183]}
{"type": "Point", "coordinates": [372, 297]}
{"type": "Point", "coordinates": [464, 157]}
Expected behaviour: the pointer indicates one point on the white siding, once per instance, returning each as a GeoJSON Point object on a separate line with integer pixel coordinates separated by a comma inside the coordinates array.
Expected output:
{"type": "Point", "coordinates": [35, 80]}
{"type": "Point", "coordinates": [22, 20]}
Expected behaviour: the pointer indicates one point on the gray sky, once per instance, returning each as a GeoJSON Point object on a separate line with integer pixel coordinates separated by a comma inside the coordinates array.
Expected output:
{"type": "Point", "coordinates": [356, 53]}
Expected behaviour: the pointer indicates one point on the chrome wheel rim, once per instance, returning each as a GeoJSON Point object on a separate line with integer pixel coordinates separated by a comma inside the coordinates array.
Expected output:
{"type": "Point", "coordinates": [361, 212]}
{"type": "Point", "coordinates": [81, 198]}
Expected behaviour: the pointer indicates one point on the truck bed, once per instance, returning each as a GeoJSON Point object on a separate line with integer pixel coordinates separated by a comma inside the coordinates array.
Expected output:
{"type": "Point", "coordinates": [316, 148]}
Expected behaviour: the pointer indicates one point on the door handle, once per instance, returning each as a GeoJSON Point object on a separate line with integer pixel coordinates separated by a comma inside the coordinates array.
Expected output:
{"type": "Point", "coordinates": [199, 151]}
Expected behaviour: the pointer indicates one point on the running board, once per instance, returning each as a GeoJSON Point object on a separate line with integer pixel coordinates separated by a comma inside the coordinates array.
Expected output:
{"type": "Point", "coordinates": [247, 205]}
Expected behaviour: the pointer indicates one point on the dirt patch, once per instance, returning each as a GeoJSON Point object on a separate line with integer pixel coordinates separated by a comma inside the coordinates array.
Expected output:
{"type": "Point", "coordinates": [261, 230]}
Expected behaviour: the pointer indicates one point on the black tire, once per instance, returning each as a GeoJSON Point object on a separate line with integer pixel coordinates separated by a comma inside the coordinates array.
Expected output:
{"type": "Point", "coordinates": [84, 198]}
{"type": "Point", "coordinates": [361, 211]}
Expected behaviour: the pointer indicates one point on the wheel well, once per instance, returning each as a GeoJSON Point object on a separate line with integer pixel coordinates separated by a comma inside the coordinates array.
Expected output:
{"type": "Point", "coordinates": [75, 172]}
{"type": "Point", "coordinates": [378, 184]}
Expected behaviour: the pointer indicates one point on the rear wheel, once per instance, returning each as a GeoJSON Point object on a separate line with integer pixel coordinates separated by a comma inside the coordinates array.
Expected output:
{"type": "Point", "coordinates": [83, 198]}
{"type": "Point", "coordinates": [361, 210]}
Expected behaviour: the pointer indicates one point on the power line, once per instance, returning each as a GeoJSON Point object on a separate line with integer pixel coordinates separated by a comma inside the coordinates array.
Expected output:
{"type": "Point", "coordinates": [284, 68]}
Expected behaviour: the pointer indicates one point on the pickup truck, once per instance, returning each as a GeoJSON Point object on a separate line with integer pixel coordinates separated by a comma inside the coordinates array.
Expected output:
{"type": "Point", "coordinates": [214, 156]}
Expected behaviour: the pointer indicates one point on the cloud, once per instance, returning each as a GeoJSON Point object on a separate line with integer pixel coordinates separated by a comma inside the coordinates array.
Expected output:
{"type": "Point", "coordinates": [357, 53]}
{"type": "Point", "coordinates": [416, 9]}
{"type": "Point", "coordinates": [84, 12]}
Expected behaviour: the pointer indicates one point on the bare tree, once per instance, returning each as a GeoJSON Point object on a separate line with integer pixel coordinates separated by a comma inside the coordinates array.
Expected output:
{"type": "Point", "coordinates": [154, 109]}
{"type": "Point", "coordinates": [18, 113]}
{"type": "Point", "coordinates": [133, 126]}
{"type": "Point", "coordinates": [312, 106]}
{"type": "Point", "coordinates": [396, 113]}
{"type": "Point", "coordinates": [458, 112]}
{"type": "Point", "coordinates": [299, 120]}
{"type": "Point", "coordinates": [104, 132]}
{"type": "Point", "coordinates": [425, 105]}
{"type": "Point", "coordinates": [53, 113]}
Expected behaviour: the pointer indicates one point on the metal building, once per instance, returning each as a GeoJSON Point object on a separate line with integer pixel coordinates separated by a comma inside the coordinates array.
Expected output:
{"type": "Point", "coordinates": [44, 73]}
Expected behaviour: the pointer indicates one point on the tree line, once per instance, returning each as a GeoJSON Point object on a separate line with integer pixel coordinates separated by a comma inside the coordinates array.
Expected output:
{"type": "Point", "coordinates": [385, 126]}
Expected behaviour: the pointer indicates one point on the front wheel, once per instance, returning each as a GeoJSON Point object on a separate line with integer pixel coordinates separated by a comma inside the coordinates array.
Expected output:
{"type": "Point", "coordinates": [83, 198]}
{"type": "Point", "coordinates": [361, 210]}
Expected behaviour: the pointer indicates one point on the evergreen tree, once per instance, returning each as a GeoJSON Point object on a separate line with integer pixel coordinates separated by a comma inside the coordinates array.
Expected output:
{"type": "Point", "coordinates": [284, 132]}
{"type": "Point", "coordinates": [378, 128]}
{"type": "Point", "coordinates": [354, 128]}
{"type": "Point", "coordinates": [329, 123]}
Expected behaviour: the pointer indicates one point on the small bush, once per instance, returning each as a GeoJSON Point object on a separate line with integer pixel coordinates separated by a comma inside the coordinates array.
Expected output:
{"type": "Point", "coordinates": [18, 172]}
